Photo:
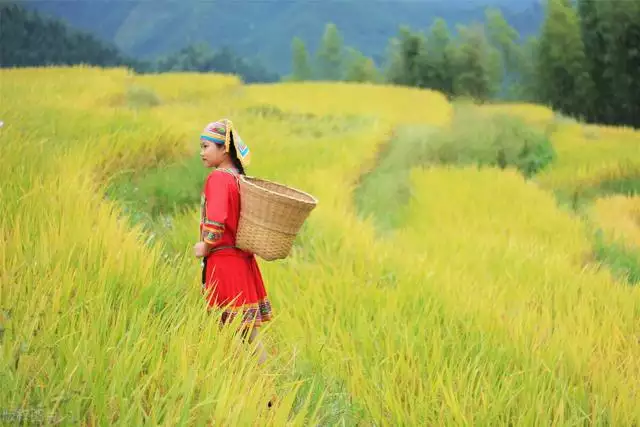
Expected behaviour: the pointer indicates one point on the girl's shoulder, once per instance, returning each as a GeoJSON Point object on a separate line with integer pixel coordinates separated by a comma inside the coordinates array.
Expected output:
{"type": "Point", "coordinates": [221, 177]}
{"type": "Point", "coordinates": [222, 174]}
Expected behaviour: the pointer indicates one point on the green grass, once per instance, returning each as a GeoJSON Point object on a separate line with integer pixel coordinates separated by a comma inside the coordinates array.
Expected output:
{"type": "Point", "coordinates": [138, 97]}
{"type": "Point", "coordinates": [384, 191]}
{"type": "Point", "coordinates": [579, 199]}
{"type": "Point", "coordinates": [496, 141]}
{"type": "Point", "coordinates": [623, 261]}
{"type": "Point", "coordinates": [310, 125]}
{"type": "Point", "coordinates": [159, 192]}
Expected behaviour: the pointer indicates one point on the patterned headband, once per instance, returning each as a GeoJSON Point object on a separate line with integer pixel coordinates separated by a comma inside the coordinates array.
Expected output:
{"type": "Point", "coordinates": [219, 133]}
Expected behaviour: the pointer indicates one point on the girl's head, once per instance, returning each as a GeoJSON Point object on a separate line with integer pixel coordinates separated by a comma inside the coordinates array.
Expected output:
{"type": "Point", "coordinates": [221, 146]}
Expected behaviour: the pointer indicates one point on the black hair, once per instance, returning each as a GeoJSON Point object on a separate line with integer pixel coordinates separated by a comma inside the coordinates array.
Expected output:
{"type": "Point", "coordinates": [234, 155]}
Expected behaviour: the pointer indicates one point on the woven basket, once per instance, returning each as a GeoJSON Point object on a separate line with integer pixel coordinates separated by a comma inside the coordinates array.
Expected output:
{"type": "Point", "coordinates": [271, 215]}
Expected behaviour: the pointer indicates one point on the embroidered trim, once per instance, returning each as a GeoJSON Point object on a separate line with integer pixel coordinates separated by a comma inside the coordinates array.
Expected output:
{"type": "Point", "coordinates": [231, 171]}
{"type": "Point", "coordinates": [214, 228]}
{"type": "Point", "coordinates": [211, 238]}
{"type": "Point", "coordinates": [215, 224]}
{"type": "Point", "coordinates": [251, 313]}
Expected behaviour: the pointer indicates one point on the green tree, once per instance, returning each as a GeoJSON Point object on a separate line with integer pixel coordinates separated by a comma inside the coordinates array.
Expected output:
{"type": "Point", "coordinates": [561, 67]}
{"type": "Point", "coordinates": [439, 57]}
{"type": "Point", "coordinates": [525, 87]}
{"type": "Point", "coordinates": [476, 65]}
{"type": "Point", "coordinates": [330, 56]}
{"type": "Point", "coordinates": [359, 68]}
{"type": "Point", "coordinates": [28, 40]}
{"type": "Point", "coordinates": [407, 59]}
{"type": "Point", "coordinates": [594, 32]}
{"type": "Point", "coordinates": [505, 39]}
{"type": "Point", "coordinates": [301, 64]}
{"type": "Point", "coordinates": [622, 38]}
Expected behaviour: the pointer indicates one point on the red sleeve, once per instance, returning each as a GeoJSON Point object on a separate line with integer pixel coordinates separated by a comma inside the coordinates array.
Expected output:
{"type": "Point", "coordinates": [216, 192]}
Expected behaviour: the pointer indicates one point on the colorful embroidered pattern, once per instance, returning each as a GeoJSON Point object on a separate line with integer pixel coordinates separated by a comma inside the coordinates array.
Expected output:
{"type": "Point", "coordinates": [231, 171]}
{"type": "Point", "coordinates": [212, 231]}
{"type": "Point", "coordinates": [211, 138]}
{"type": "Point", "coordinates": [241, 148]}
{"type": "Point", "coordinates": [210, 237]}
{"type": "Point", "coordinates": [213, 223]}
{"type": "Point", "coordinates": [219, 132]}
{"type": "Point", "coordinates": [255, 314]}
{"type": "Point", "coordinates": [214, 132]}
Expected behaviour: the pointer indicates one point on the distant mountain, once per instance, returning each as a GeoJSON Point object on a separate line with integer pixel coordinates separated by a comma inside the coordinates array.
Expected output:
{"type": "Point", "coordinates": [263, 29]}
{"type": "Point", "coordinates": [28, 40]}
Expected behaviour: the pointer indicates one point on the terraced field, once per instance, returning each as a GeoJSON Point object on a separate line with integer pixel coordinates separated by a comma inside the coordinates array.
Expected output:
{"type": "Point", "coordinates": [465, 265]}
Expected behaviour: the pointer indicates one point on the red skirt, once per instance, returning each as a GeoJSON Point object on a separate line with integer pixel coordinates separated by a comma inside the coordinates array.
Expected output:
{"type": "Point", "coordinates": [232, 281]}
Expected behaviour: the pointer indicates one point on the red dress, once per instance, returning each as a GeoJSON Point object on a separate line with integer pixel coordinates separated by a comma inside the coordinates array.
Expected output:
{"type": "Point", "coordinates": [231, 278]}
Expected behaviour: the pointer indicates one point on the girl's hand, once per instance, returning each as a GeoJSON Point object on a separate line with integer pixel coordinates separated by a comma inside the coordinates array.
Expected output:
{"type": "Point", "coordinates": [200, 249]}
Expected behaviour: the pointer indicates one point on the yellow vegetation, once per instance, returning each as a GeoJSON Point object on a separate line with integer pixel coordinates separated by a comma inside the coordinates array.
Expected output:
{"type": "Point", "coordinates": [531, 113]}
{"type": "Point", "coordinates": [589, 155]}
{"type": "Point", "coordinates": [483, 309]}
{"type": "Point", "coordinates": [388, 103]}
{"type": "Point", "coordinates": [619, 216]}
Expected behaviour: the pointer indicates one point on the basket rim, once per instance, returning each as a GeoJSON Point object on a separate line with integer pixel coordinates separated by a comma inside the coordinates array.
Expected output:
{"type": "Point", "coordinates": [248, 180]}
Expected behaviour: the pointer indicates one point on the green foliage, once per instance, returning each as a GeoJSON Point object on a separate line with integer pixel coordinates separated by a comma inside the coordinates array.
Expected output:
{"type": "Point", "coordinates": [473, 138]}
{"type": "Point", "coordinates": [468, 66]}
{"type": "Point", "coordinates": [623, 260]}
{"type": "Point", "coordinates": [523, 86]}
{"type": "Point", "coordinates": [200, 57]}
{"type": "Point", "coordinates": [30, 40]}
{"type": "Point", "coordinates": [591, 26]}
{"type": "Point", "coordinates": [301, 64]}
{"type": "Point", "coordinates": [407, 59]}
{"type": "Point", "coordinates": [141, 97]}
{"type": "Point", "coordinates": [162, 191]}
{"type": "Point", "coordinates": [333, 61]}
{"type": "Point", "coordinates": [496, 140]}
{"type": "Point", "coordinates": [579, 198]}
{"type": "Point", "coordinates": [330, 55]}
{"type": "Point", "coordinates": [504, 37]}
{"type": "Point", "coordinates": [582, 63]}
{"type": "Point", "coordinates": [439, 58]}
{"type": "Point", "coordinates": [563, 79]}
{"type": "Point", "coordinates": [476, 64]}
{"type": "Point", "coordinates": [383, 193]}
{"type": "Point", "coordinates": [512, 62]}
{"type": "Point", "coordinates": [611, 35]}
{"type": "Point", "coordinates": [359, 68]}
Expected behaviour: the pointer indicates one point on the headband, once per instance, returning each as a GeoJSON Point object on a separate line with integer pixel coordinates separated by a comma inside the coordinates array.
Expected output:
{"type": "Point", "coordinates": [220, 132]}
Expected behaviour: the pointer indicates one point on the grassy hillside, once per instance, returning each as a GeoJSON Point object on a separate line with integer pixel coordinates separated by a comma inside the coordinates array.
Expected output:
{"type": "Point", "coordinates": [487, 300]}
{"type": "Point", "coordinates": [143, 28]}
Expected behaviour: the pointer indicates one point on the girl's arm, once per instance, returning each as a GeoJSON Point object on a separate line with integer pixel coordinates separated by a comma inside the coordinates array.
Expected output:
{"type": "Point", "coordinates": [217, 194]}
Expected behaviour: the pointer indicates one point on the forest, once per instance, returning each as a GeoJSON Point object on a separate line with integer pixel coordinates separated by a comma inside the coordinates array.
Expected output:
{"type": "Point", "coordinates": [585, 61]}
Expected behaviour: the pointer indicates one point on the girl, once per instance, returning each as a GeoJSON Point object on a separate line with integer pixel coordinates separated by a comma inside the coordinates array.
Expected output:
{"type": "Point", "coordinates": [230, 277]}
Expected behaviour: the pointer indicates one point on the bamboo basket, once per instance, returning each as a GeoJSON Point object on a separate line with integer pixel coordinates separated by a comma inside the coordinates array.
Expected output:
{"type": "Point", "coordinates": [271, 216]}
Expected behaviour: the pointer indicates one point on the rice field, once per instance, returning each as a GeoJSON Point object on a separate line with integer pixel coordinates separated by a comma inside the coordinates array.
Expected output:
{"type": "Point", "coordinates": [485, 305]}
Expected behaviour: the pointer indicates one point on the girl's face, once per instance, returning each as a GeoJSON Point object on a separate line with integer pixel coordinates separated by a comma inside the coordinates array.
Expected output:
{"type": "Point", "coordinates": [212, 155]}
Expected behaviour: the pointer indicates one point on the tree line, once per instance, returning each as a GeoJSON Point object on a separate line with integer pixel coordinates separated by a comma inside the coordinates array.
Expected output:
{"type": "Point", "coordinates": [585, 61]}
{"type": "Point", "coordinates": [30, 40]}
